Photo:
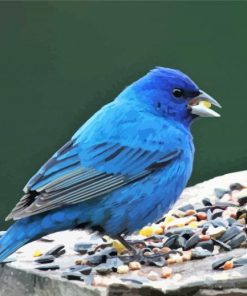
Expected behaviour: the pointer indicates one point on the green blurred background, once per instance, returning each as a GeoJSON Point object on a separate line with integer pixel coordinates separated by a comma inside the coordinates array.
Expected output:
{"type": "Point", "coordinates": [61, 61]}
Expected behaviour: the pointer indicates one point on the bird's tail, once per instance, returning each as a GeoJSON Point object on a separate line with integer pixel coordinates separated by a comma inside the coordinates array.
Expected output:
{"type": "Point", "coordinates": [14, 238]}
{"type": "Point", "coordinates": [31, 228]}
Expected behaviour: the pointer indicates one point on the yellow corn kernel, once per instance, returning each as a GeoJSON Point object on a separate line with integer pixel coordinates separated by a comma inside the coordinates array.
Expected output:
{"type": "Point", "coordinates": [168, 220]}
{"type": "Point", "coordinates": [158, 230]}
{"type": "Point", "coordinates": [118, 246]}
{"type": "Point", "coordinates": [37, 253]}
{"type": "Point", "coordinates": [193, 224]}
{"type": "Point", "coordinates": [146, 231]}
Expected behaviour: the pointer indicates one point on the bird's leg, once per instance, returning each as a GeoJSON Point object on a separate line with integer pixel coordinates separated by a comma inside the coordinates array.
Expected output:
{"type": "Point", "coordinates": [127, 245]}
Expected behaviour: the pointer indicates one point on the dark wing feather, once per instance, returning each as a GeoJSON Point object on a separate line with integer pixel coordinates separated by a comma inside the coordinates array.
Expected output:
{"type": "Point", "coordinates": [75, 174]}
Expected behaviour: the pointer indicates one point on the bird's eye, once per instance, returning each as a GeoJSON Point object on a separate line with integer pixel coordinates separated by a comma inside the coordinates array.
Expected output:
{"type": "Point", "coordinates": [177, 92]}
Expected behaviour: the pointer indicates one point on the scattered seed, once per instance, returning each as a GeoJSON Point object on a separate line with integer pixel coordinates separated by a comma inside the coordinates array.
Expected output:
{"type": "Point", "coordinates": [187, 255]}
{"type": "Point", "coordinates": [193, 224]}
{"type": "Point", "coordinates": [56, 251]}
{"type": "Point", "coordinates": [139, 280]}
{"type": "Point", "coordinates": [240, 262]}
{"type": "Point", "coordinates": [215, 232]}
{"type": "Point", "coordinates": [228, 265]}
{"type": "Point", "coordinates": [224, 246]}
{"type": "Point", "coordinates": [122, 269]}
{"type": "Point", "coordinates": [237, 240]}
{"type": "Point", "coordinates": [186, 207]}
{"type": "Point", "coordinates": [134, 265]}
{"type": "Point", "coordinates": [84, 269]}
{"type": "Point", "coordinates": [103, 268]}
{"type": "Point", "coordinates": [118, 246]}
{"type": "Point", "coordinates": [37, 253]}
{"type": "Point", "coordinates": [206, 202]}
{"type": "Point", "coordinates": [165, 250]}
{"type": "Point", "coordinates": [47, 267]}
{"type": "Point", "coordinates": [230, 233]}
{"type": "Point", "coordinates": [204, 237]}
{"type": "Point", "coordinates": [236, 186]}
{"type": "Point", "coordinates": [190, 212]}
{"type": "Point", "coordinates": [200, 253]}
{"type": "Point", "coordinates": [171, 260]}
{"type": "Point", "coordinates": [220, 262]}
{"type": "Point", "coordinates": [153, 276]}
{"type": "Point", "coordinates": [72, 276]}
{"type": "Point", "coordinates": [217, 213]}
{"type": "Point", "coordinates": [166, 272]}
{"type": "Point", "coordinates": [219, 192]}
{"type": "Point", "coordinates": [192, 242]}
{"type": "Point", "coordinates": [201, 216]}
{"type": "Point", "coordinates": [82, 248]}
{"type": "Point", "coordinates": [45, 259]}
{"type": "Point", "coordinates": [207, 245]}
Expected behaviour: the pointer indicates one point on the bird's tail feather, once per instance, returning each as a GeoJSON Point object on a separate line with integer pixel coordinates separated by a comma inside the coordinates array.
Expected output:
{"type": "Point", "coordinates": [12, 240]}
{"type": "Point", "coordinates": [29, 229]}
{"type": "Point", "coordinates": [5, 250]}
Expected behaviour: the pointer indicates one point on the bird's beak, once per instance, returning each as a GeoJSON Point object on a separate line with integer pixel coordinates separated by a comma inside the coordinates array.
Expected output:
{"type": "Point", "coordinates": [201, 104]}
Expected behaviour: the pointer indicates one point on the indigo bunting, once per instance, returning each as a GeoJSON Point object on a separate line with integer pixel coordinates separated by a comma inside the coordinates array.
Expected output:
{"type": "Point", "coordinates": [124, 168]}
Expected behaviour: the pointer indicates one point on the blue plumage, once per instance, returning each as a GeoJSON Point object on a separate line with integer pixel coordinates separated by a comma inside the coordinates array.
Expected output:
{"type": "Point", "coordinates": [123, 169]}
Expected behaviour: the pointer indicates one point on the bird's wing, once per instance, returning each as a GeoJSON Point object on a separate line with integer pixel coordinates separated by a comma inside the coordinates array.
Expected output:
{"type": "Point", "coordinates": [77, 173]}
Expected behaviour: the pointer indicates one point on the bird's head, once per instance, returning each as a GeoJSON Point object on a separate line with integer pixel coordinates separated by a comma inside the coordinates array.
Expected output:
{"type": "Point", "coordinates": [172, 94]}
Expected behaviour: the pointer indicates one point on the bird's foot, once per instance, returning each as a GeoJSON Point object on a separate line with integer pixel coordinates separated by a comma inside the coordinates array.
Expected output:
{"type": "Point", "coordinates": [135, 253]}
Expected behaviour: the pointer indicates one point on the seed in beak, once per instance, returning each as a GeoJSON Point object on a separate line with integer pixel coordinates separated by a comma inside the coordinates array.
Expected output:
{"type": "Point", "coordinates": [205, 104]}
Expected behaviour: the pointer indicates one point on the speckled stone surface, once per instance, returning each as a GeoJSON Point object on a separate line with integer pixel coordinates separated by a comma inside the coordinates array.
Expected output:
{"type": "Point", "coordinates": [193, 277]}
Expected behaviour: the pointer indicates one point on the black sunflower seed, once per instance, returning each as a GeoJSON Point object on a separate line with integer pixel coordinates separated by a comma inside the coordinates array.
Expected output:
{"type": "Point", "coordinates": [206, 202]}
{"type": "Point", "coordinates": [242, 200]}
{"type": "Point", "coordinates": [220, 262]}
{"type": "Point", "coordinates": [191, 242]}
{"type": "Point", "coordinates": [72, 275]}
{"type": "Point", "coordinates": [156, 260]}
{"type": "Point", "coordinates": [45, 259]}
{"type": "Point", "coordinates": [186, 207]}
{"type": "Point", "coordinates": [236, 186]}
{"type": "Point", "coordinates": [83, 248]}
{"type": "Point", "coordinates": [83, 269]}
{"type": "Point", "coordinates": [200, 253]}
{"type": "Point", "coordinates": [171, 241]}
{"type": "Point", "coordinates": [135, 280]}
{"type": "Point", "coordinates": [47, 267]}
{"type": "Point", "coordinates": [220, 222]}
{"type": "Point", "coordinates": [208, 245]}
{"type": "Point", "coordinates": [224, 246]}
{"type": "Point", "coordinates": [56, 251]}
{"type": "Point", "coordinates": [219, 192]}
{"type": "Point", "coordinates": [104, 268]}
{"type": "Point", "coordinates": [230, 233]}
{"type": "Point", "coordinates": [237, 240]}
{"type": "Point", "coordinates": [217, 213]}
{"type": "Point", "coordinates": [239, 262]}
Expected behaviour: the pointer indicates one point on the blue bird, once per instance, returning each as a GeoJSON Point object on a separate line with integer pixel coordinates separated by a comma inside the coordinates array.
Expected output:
{"type": "Point", "coordinates": [124, 168]}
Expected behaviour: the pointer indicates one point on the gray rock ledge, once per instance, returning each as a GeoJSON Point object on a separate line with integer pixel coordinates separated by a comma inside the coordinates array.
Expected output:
{"type": "Point", "coordinates": [197, 277]}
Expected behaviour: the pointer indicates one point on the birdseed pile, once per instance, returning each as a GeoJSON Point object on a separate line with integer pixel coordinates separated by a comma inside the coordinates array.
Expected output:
{"type": "Point", "coordinates": [192, 232]}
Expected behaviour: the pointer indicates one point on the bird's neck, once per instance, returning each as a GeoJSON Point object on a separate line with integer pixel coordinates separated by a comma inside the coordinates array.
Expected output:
{"type": "Point", "coordinates": [141, 102]}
